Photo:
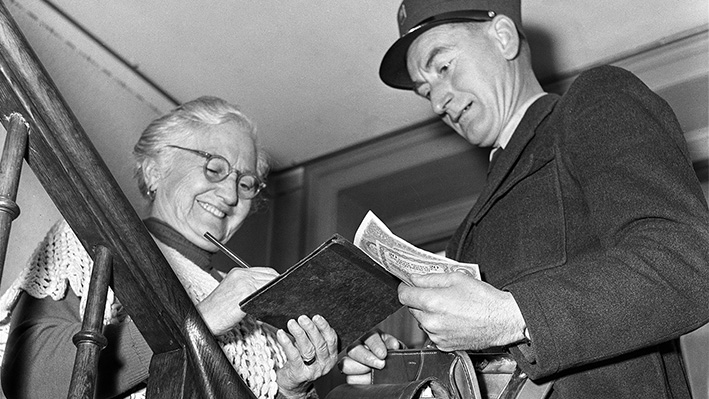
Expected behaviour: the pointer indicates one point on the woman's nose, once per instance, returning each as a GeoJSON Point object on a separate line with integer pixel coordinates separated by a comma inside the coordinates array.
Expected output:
{"type": "Point", "coordinates": [228, 190]}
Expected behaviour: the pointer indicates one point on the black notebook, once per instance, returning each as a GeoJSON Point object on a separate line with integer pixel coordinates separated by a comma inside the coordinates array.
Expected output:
{"type": "Point", "coordinates": [337, 281]}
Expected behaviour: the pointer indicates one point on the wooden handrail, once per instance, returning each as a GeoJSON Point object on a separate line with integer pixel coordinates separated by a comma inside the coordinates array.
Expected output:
{"type": "Point", "coordinates": [191, 363]}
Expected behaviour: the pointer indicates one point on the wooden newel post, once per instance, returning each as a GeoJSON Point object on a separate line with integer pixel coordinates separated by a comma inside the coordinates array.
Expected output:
{"type": "Point", "coordinates": [90, 340]}
{"type": "Point", "coordinates": [10, 167]}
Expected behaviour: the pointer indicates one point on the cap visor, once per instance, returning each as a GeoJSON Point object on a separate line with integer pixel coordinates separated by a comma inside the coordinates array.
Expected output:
{"type": "Point", "coordinates": [393, 70]}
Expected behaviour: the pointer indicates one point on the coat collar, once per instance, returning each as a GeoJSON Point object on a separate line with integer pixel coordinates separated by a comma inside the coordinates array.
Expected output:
{"type": "Point", "coordinates": [509, 168]}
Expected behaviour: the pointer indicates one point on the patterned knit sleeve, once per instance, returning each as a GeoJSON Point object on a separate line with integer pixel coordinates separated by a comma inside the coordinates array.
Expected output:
{"type": "Point", "coordinates": [40, 353]}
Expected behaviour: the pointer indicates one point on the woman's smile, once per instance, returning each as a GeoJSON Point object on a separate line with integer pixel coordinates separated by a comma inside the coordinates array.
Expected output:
{"type": "Point", "coordinates": [212, 209]}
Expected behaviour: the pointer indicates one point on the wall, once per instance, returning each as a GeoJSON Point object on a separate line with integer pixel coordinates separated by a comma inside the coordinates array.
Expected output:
{"type": "Point", "coordinates": [89, 89]}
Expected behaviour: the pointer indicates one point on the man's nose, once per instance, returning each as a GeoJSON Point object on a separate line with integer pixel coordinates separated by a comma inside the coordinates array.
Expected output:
{"type": "Point", "coordinates": [440, 99]}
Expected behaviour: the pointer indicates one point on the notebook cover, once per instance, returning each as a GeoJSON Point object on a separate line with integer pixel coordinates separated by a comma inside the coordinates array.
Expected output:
{"type": "Point", "coordinates": [337, 281]}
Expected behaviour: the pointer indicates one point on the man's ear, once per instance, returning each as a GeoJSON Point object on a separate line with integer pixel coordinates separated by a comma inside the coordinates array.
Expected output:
{"type": "Point", "coordinates": [152, 174]}
{"type": "Point", "coordinates": [507, 37]}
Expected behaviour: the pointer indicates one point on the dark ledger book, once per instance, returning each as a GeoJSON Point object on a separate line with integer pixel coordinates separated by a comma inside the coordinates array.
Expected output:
{"type": "Point", "coordinates": [337, 281]}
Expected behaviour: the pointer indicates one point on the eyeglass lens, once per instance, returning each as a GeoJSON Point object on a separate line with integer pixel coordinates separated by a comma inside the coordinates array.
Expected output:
{"type": "Point", "coordinates": [217, 169]}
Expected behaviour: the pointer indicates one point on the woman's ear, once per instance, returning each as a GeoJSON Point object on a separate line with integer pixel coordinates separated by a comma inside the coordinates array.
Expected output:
{"type": "Point", "coordinates": [152, 174]}
{"type": "Point", "coordinates": [507, 36]}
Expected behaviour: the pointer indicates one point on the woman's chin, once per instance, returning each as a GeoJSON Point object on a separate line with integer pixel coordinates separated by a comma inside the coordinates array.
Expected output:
{"type": "Point", "coordinates": [222, 229]}
{"type": "Point", "coordinates": [215, 230]}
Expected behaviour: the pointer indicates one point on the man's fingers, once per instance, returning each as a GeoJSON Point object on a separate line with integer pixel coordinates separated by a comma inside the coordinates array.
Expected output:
{"type": "Point", "coordinates": [392, 342]}
{"type": "Point", "coordinates": [432, 280]}
{"type": "Point", "coordinates": [365, 356]}
{"type": "Point", "coordinates": [352, 367]}
{"type": "Point", "coordinates": [362, 379]}
{"type": "Point", "coordinates": [376, 345]}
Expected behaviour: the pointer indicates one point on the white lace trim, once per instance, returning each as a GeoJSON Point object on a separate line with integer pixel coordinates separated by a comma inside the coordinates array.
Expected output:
{"type": "Point", "coordinates": [60, 259]}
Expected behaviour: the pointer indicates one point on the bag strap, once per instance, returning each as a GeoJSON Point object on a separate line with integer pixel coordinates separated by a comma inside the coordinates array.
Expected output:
{"type": "Point", "coordinates": [462, 377]}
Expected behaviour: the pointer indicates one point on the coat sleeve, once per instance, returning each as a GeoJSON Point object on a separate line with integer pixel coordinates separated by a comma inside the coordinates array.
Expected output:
{"type": "Point", "coordinates": [646, 280]}
{"type": "Point", "coordinates": [40, 354]}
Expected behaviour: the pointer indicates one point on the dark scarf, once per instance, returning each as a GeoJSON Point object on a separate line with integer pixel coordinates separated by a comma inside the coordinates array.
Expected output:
{"type": "Point", "coordinates": [170, 237]}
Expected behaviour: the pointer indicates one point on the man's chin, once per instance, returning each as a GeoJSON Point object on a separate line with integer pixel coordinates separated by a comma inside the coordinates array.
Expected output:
{"type": "Point", "coordinates": [461, 131]}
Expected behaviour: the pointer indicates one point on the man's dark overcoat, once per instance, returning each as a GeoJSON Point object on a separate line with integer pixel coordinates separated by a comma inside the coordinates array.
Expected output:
{"type": "Point", "coordinates": [593, 218]}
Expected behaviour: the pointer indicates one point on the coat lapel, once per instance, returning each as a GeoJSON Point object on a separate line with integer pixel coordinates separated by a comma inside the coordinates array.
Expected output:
{"type": "Point", "coordinates": [510, 168]}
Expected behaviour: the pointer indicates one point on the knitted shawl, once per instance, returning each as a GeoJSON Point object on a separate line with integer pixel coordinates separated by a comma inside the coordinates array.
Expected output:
{"type": "Point", "coordinates": [60, 262]}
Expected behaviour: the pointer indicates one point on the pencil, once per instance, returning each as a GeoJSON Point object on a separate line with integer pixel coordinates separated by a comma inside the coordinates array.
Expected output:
{"type": "Point", "coordinates": [226, 251]}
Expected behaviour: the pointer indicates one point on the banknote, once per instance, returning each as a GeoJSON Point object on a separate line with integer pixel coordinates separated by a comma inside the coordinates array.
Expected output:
{"type": "Point", "coordinates": [400, 257]}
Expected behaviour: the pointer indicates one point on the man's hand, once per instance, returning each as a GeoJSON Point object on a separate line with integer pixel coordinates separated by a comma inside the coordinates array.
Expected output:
{"type": "Point", "coordinates": [458, 311]}
{"type": "Point", "coordinates": [361, 359]}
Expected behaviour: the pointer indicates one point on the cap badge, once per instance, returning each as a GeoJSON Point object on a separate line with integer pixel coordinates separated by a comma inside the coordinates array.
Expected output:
{"type": "Point", "coordinates": [402, 14]}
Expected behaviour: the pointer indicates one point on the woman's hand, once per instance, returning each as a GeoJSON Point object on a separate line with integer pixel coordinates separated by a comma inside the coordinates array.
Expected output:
{"type": "Point", "coordinates": [361, 359]}
{"type": "Point", "coordinates": [312, 355]}
{"type": "Point", "coordinates": [220, 309]}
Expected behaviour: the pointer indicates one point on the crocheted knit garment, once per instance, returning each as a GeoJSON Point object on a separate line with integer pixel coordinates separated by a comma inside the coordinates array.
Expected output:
{"type": "Point", "coordinates": [61, 259]}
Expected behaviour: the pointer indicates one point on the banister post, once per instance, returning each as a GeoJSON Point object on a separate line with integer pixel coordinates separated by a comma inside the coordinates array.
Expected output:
{"type": "Point", "coordinates": [10, 167]}
{"type": "Point", "coordinates": [90, 340]}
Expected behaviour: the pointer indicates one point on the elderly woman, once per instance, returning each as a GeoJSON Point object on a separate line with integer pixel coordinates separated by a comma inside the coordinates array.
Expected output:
{"type": "Point", "coordinates": [201, 170]}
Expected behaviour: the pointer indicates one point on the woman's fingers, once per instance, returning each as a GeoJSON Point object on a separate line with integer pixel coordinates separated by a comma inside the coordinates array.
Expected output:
{"type": "Point", "coordinates": [329, 337]}
{"type": "Point", "coordinates": [302, 330]}
{"type": "Point", "coordinates": [314, 338]}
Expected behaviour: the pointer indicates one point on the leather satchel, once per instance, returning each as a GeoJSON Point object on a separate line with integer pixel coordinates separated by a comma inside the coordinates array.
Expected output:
{"type": "Point", "coordinates": [428, 387]}
{"type": "Point", "coordinates": [422, 373]}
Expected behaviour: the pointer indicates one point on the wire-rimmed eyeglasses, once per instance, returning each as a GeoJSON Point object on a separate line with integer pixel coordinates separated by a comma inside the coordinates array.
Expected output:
{"type": "Point", "coordinates": [217, 168]}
